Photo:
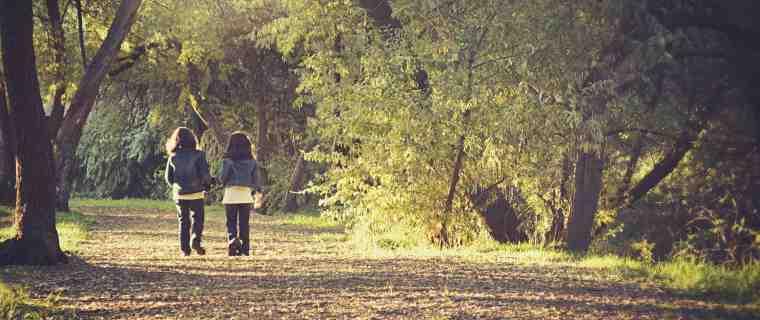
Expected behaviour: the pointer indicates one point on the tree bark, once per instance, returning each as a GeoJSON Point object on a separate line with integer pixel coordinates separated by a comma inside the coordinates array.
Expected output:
{"type": "Point", "coordinates": [80, 28]}
{"type": "Point", "coordinates": [557, 229]}
{"type": "Point", "coordinates": [588, 185]}
{"type": "Point", "coordinates": [262, 140]}
{"type": "Point", "coordinates": [59, 58]}
{"type": "Point", "coordinates": [70, 132]}
{"type": "Point", "coordinates": [202, 107]}
{"type": "Point", "coordinates": [7, 151]}
{"type": "Point", "coordinates": [296, 183]}
{"type": "Point", "coordinates": [633, 162]}
{"type": "Point", "coordinates": [662, 169]}
{"type": "Point", "coordinates": [36, 241]}
{"type": "Point", "coordinates": [458, 163]}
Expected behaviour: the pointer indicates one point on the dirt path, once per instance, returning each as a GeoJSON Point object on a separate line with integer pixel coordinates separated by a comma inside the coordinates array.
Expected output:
{"type": "Point", "coordinates": [131, 269]}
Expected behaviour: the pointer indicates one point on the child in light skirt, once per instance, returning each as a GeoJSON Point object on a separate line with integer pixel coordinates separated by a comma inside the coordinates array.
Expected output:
{"type": "Point", "coordinates": [238, 176]}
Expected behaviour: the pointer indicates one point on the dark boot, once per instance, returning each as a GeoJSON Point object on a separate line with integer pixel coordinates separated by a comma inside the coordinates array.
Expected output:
{"type": "Point", "coordinates": [198, 249]}
{"type": "Point", "coordinates": [233, 248]}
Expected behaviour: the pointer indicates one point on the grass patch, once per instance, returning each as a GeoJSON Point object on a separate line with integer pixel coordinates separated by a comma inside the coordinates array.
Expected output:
{"type": "Point", "coordinates": [310, 220]}
{"type": "Point", "coordinates": [689, 277]}
{"type": "Point", "coordinates": [124, 203]}
{"type": "Point", "coordinates": [15, 303]}
{"type": "Point", "coordinates": [73, 228]}
{"type": "Point", "coordinates": [741, 285]}
{"type": "Point", "coordinates": [138, 204]}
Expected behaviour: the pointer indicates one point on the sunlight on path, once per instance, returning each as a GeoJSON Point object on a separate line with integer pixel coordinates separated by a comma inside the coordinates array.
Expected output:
{"type": "Point", "coordinates": [131, 269]}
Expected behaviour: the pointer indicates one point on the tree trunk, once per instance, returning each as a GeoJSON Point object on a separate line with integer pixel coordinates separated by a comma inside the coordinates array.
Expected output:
{"type": "Point", "coordinates": [662, 169]}
{"type": "Point", "coordinates": [59, 69]}
{"type": "Point", "coordinates": [202, 108]}
{"type": "Point", "coordinates": [80, 28]}
{"type": "Point", "coordinates": [448, 206]}
{"type": "Point", "coordinates": [296, 184]}
{"type": "Point", "coordinates": [262, 140]}
{"type": "Point", "coordinates": [36, 241]}
{"type": "Point", "coordinates": [557, 230]}
{"type": "Point", "coordinates": [633, 162]}
{"type": "Point", "coordinates": [73, 123]}
{"type": "Point", "coordinates": [588, 184]}
{"type": "Point", "coordinates": [7, 151]}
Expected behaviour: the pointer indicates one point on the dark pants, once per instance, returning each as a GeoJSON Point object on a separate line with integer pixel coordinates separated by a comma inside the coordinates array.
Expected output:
{"type": "Point", "coordinates": [190, 213]}
{"type": "Point", "coordinates": [238, 216]}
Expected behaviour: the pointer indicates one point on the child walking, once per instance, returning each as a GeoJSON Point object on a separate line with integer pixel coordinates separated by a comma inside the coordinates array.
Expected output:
{"type": "Point", "coordinates": [188, 175]}
{"type": "Point", "coordinates": [238, 176]}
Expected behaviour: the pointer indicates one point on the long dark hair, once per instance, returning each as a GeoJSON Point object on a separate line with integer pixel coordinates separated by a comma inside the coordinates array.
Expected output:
{"type": "Point", "coordinates": [181, 139]}
{"type": "Point", "coordinates": [239, 147]}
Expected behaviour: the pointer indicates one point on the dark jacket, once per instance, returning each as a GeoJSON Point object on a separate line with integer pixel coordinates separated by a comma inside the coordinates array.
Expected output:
{"type": "Point", "coordinates": [238, 173]}
{"type": "Point", "coordinates": [187, 172]}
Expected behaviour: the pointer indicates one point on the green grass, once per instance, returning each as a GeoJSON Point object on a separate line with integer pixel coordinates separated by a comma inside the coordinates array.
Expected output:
{"type": "Point", "coordinates": [310, 220]}
{"type": "Point", "coordinates": [123, 203]}
{"type": "Point", "coordinates": [73, 228]}
{"type": "Point", "coordinates": [139, 204]}
{"type": "Point", "coordinates": [15, 303]}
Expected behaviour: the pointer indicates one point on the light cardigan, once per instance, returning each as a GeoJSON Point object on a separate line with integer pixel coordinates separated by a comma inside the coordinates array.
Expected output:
{"type": "Point", "coordinates": [237, 195]}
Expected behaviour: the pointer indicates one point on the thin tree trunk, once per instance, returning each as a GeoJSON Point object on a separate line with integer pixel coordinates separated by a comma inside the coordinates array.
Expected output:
{"type": "Point", "coordinates": [59, 57]}
{"type": "Point", "coordinates": [633, 162]}
{"type": "Point", "coordinates": [662, 169]}
{"type": "Point", "coordinates": [80, 27]}
{"type": "Point", "coordinates": [448, 206]}
{"type": "Point", "coordinates": [588, 185]}
{"type": "Point", "coordinates": [683, 145]}
{"type": "Point", "coordinates": [557, 230]}
{"type": "Point", "coordinates": [202, 108]}
{"type": "Point", "coordinates": [7, 151]}
{"type": "Point", "coordinates": [262, 140]}
{"type": "Point", "coordinates": [296, 184]}
{"type": "Point", "coordinates": [73, 123]}
{"type": "Point", "coordinates": [36, 241]}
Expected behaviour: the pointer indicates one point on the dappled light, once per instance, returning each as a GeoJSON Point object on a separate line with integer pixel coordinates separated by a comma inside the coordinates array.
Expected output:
{"type": "Point", "coordinates": [373, 159]}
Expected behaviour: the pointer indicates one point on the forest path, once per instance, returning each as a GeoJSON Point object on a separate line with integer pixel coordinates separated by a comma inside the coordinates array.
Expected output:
{"type": "Point", "coordinates": [130, 268]}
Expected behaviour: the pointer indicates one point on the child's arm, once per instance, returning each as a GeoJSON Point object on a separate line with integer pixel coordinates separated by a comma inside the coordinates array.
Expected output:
{"type": "Point", "coordinates": [255, 176]}
{"type": "Point", "coordinates": [169, 172]}
{"type": "Point", "coordinates": [204, 171]}
{"type": "Point", "coordinates": [224, 172]}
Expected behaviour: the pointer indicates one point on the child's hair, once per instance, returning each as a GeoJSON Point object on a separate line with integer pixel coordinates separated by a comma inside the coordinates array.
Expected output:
{"type": "Point", "coordinates": [239, 147]}
{"type": "Point", "coordinates": [181, 139]}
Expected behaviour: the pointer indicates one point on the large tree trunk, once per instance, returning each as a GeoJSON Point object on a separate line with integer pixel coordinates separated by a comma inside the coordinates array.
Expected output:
{"type": "Point", "coordinates": [7, 151]}
{"type": "Point", "coordinates": [36, 240]}
{"type": "Point", "coordinates": [73, 123]}
{"type": "Point", "coordinates": [588, 185]}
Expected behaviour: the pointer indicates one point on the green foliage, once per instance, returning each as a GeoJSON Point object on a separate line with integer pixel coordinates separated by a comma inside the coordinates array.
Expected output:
{"type": "Point", "coordinates": [390, 148]}
{"type": "Point", "coordinates": [121, 156]}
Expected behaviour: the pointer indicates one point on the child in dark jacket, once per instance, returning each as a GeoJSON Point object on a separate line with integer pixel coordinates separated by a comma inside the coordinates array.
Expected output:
{"type": "Point", "coordinates": [238, 175]}
{"type": "Point", "coordinates": [188, 176]}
